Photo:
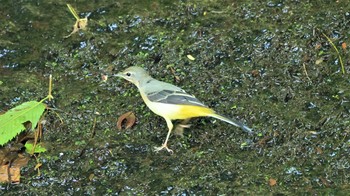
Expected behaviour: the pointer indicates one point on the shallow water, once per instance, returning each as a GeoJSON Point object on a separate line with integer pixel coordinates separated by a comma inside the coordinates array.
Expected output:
{"type": "Point", "coordinates": [267, 64]}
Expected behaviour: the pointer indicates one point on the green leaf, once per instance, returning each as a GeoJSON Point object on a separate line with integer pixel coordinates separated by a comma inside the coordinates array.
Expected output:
{"type": "Point", "coordinates": [11, 123]}
{"type": "Point", "coordinates": [38, 148]}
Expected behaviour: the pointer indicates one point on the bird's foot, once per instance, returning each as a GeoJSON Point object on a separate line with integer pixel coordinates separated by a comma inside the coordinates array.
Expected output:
{"type": "Point", "coordinates": [185, 125]}
{"type": "Point", "coordinates": [179, 129]}
{"type": "Point", "coordinates": [164, 146]}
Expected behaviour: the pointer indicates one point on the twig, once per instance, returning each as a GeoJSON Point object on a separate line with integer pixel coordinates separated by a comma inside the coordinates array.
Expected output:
{"type": "Point", "coordinates": [340, 59]}
{"type": "Point", "coordinates": [307, 75]}
{"type": "Point", "coordinates": [50, 88]}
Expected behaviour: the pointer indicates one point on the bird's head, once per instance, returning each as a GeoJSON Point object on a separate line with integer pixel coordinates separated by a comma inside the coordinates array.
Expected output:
{"type": "Point", "coordinates": [134, 74]}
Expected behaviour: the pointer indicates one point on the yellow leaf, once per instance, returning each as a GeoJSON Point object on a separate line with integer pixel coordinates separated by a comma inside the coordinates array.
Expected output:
{"type": "Point", "coordinates": [191, 57]}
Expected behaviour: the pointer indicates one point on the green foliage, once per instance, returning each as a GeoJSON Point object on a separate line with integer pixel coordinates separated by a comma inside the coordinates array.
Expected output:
{"type": "Point", "coordinates": [12, 122]}
{"type": "Point", "coordinates": [31, 149]}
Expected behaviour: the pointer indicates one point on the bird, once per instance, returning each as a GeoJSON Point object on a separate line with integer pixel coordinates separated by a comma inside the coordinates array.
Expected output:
{"type": "Point", "coordinates": [170, 102]}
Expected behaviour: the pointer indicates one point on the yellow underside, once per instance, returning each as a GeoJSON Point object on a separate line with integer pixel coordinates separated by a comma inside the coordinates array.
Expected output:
{"type": "Point", "coordinates": [172, 111]}
{"type": "Point", "coordinates": [188, 111]}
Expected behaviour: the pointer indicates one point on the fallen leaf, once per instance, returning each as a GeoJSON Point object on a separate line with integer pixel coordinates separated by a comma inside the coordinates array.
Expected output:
{"type": "Point", "coordinates": [130, 119]}
{"type": "Point", "coordinates": [255, 73]}
{"type": "Point", "coordinates": [343, 45]}
{"type": "Point", "coordinates": [191, 57]}
{"type": "Point", "coordinates": [13, 173]}
{"type": "Point", "coordinates": [9, 174]}
{"type": "Point", "coordinates": [272, 182]}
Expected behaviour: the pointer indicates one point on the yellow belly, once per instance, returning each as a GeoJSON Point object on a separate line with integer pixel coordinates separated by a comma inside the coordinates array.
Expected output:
{"type": "Point", "coordinates": [173, 112]}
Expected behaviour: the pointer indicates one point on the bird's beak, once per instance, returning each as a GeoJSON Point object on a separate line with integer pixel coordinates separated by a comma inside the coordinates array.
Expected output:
{"type": "Point", "coordinates": [120, 74]}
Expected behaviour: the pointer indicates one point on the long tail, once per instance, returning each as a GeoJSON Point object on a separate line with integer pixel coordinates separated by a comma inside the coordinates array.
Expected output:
{"type": "Point", "coordinates": [232, 122]}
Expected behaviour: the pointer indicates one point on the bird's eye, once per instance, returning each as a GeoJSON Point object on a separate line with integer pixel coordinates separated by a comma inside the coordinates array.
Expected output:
{"type": "Point", "coordinates": [128, 74]}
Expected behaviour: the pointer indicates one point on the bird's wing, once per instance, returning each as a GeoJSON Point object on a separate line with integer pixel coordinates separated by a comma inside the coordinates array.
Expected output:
{"type": "Point", "coordinates": [179, 97]}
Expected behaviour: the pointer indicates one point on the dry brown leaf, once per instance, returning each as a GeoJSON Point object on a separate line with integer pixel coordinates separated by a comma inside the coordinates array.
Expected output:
{"type": "Point", "coordinates": [13, 173]}
{"type": "Point", "coordinates": [343, 45]}
{"type": "Point", "coordinates": [129, 119]}
{"type": "Point", "coordinates": [272, 182]}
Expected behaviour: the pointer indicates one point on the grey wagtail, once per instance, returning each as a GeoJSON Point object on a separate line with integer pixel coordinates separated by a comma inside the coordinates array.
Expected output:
{"type": "Point", "coordinates": [169, 101]}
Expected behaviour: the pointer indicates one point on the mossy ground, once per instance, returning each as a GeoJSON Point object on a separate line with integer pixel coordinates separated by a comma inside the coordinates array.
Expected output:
{"type": "Point", "coordinates": [264, 63]}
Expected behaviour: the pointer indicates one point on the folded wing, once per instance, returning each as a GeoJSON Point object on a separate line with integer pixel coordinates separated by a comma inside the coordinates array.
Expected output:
{"type": "Point", "coordinates": [174, 97]}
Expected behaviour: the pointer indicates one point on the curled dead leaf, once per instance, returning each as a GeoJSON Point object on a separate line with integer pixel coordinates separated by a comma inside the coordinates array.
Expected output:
{"type": "Point", "coordinates": [129, 119]}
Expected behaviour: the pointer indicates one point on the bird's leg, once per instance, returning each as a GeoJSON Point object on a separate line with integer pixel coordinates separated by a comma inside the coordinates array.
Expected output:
{"type": "Point", "coordinates": [179, 129]}
{"type": "Point", "coordinates": [165, 144]}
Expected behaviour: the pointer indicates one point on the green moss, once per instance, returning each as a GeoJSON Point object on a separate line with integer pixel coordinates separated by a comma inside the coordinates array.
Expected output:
{"type": "Point", "coordinates": [249, 64]}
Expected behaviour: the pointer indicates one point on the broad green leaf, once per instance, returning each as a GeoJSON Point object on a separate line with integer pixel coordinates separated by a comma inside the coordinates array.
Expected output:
{"type": "Point", "coordinates": [11, 123]}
